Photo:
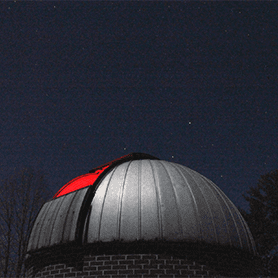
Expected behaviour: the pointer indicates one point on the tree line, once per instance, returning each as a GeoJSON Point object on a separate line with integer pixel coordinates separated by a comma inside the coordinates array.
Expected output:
{"type": "Point", "coordinates": [263, 220]}
{"type": "Point", "coordinates": [23, 194]}
{"type": "Point", "coordinates": [21, 197]}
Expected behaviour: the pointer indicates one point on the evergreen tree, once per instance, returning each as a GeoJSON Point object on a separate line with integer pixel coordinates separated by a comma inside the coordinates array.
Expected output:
{"type": "Point", "coordinates": [263, 220]}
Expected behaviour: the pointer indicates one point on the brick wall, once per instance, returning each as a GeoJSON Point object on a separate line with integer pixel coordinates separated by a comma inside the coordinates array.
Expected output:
{"type": "Point", "coordinates": [141, 259]}
{"type": "Point", "coordinates": [126, 266]}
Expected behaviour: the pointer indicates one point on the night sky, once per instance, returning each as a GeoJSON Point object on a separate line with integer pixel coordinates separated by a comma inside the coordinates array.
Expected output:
{"type": "Point", "coordinates": [195, 83]}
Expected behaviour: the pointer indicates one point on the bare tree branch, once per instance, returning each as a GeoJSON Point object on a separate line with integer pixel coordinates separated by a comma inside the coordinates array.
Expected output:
{"type": "Point", "coordinates": [21, 197]}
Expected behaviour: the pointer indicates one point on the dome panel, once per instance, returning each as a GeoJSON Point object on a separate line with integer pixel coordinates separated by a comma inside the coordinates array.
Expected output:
{"type": "Point", "coordinates": [38, 227]}
{"type": "Point", "coordinates": [67, 218]}
{"type": "Point", "coordinates": [217, 216]}
{"type": "Point", "coordinates": [148, 206]}
{"type": "Point", "coordinates": [56, 226]}
{"type": "Point", "coordinates": [224, 222]}
{"type": "Point", "coordinates": [203, 218]}
{"type": "Point", "coordinates": [96, 207]}
{"type": "Point", "coordinates": [111, 210]}
{"type": "Point", "coordinates": [228, 217]}
{"type": "Point", "coordinates": [46, 232]}
{"type": "Point", "coordinates": [170, 223]}
{"type": "Point", "coordinates": [130, 206]}
{"type": "Point", "coordinates": [186, 204]}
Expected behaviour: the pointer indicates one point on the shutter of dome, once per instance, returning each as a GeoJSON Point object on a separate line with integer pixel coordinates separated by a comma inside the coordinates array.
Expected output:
{"type": "Point", "coordinates": [57, 221]}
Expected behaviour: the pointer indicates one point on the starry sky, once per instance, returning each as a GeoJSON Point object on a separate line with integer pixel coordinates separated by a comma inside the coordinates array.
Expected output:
{"type": "Point", "coordinates": [195, 83]}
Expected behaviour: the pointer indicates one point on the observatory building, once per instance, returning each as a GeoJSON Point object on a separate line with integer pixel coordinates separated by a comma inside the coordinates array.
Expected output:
{"type": "Point", "coordinates": [139, 216]}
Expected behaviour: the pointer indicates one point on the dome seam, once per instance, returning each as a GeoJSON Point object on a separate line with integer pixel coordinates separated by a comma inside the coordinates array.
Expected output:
{"type": "Point", "coordinates": [193, 198]}
{"type": "Point", "coordinates": [54, 220]}
{"type": "Point", "coordinates": [211, 215]}
{"type": "Point", "coordinates": [103, 202]}
{"type": "Point", "coordinates": [63, 232]}
{"type": "Point", "coordinates": [220, 206]}
{"type": "Point", "coordinates": [119, 215]}
{"type": "Point", "coordinates": [223, 196]}
{"type": "Point", "coordinates": [157, 202]}
{"type": "Point", "coordinates": [139, 199]}
{"type": "Point", "coordinates": [42, 224]}
{"type": "Point", "coordinates": [207, 205]}
{"type": "Point", "coordinates": [243, 226]}
{"type": "Point", "coordinates": [175, 197]}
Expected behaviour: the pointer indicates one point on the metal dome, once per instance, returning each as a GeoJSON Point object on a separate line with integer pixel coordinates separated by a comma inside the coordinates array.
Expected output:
{"type": "Point", "coordinates": [143, 199]}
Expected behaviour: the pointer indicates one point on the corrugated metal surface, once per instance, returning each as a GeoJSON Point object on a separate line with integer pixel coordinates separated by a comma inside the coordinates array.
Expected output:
{"type": "Point", "coordinates": [57, 221]}
{"type": "Point", "coordinates": [148, 199]}
{"type": "Point", "coordinates": [143, 200]}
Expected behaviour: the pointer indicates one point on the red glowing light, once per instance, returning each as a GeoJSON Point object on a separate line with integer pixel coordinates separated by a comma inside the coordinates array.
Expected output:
{"type": "Point", "coordinates": [89, 179]}
{"type": "Point", "coordinates": [80, 182]}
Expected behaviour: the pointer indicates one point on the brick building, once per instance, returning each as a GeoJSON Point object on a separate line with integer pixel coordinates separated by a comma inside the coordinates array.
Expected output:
{"type": "Point", "coordinates": [139, 216]}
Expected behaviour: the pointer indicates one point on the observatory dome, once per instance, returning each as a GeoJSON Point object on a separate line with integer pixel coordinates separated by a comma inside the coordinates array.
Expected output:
{"type": "Point", "coordinates": [139, 197]}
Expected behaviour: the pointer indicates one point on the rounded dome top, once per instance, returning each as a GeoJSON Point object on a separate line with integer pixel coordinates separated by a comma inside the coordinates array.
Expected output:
{"type": "Point", "coordinates": [143, 199]}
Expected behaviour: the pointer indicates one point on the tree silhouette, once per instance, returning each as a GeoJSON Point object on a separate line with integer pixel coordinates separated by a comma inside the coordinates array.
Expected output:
{"type": "Point", "coordinates": [21, 197]}
{"type": "Point", "coordinates": [263, 219]}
